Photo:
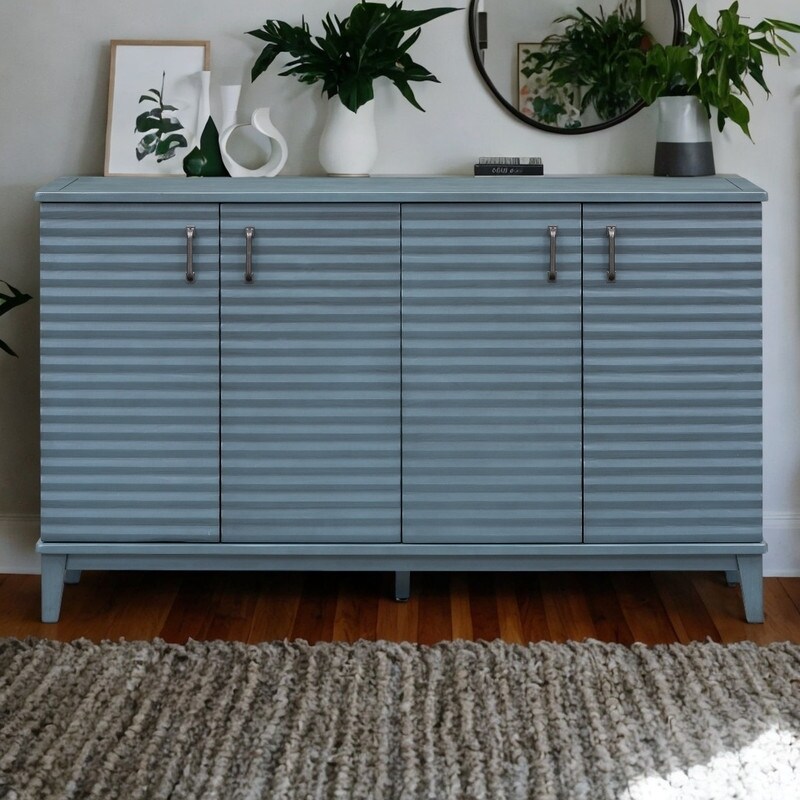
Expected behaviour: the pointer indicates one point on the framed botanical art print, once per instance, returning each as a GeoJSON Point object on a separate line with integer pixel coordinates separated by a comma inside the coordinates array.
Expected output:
{"type": "Point", "coordinates": [153, 101]}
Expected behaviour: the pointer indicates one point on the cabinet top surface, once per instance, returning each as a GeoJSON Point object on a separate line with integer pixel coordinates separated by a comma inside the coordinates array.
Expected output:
{"type": "Point", "coordinates": [407, 189]}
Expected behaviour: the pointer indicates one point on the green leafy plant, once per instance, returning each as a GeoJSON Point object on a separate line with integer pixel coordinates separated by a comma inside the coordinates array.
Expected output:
{"type": "Point", "coordinates": [590, 60]}
{"type": "Point", "coordinates": [8, 302]}
{"type": "Point", "coordinates": [367, 44]}
{"type": "Point", "coordinates": [714, 63]}
{"type": "Point", "coordinates": [159, 128]}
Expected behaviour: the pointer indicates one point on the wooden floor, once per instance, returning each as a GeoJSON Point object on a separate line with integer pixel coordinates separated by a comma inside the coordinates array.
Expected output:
{"type": "Point", "coordinates": [623, 607]}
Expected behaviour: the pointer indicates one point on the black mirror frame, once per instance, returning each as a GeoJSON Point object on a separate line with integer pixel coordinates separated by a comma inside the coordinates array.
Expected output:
{"type": "Point", "coordinates": [677, 13]}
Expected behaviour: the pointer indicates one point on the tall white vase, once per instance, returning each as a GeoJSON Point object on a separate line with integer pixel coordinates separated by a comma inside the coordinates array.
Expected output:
{"type": "Point", "coordinates": [230, 94]}
{"type": "Point", "coordinates": [349, 143]}
{"type": "Point", "coordinates": [203, 108]}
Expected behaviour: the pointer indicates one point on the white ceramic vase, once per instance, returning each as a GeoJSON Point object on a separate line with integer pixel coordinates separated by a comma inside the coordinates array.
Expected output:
{"type": "Point", "coordinates": [204, 106]}
{"type": "Point", "coordinates": [349, 143]}
{"type": "Point", "coordinates": [683, 143]}
{"type": "Point", "coordinates": [261, 121]}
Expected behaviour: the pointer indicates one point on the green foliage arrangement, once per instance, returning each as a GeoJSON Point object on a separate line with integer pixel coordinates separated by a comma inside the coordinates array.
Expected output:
{"type": "Point", "coordinates": [8, 302]}
{"type": "Point", "coordinates": [714, 63]}
{"type": "Point", "coordinates": [367, 44]}
{"type": "Point", "coordinates": [590, 60]}
{"type": "Point", "coordinates": [159, 128]}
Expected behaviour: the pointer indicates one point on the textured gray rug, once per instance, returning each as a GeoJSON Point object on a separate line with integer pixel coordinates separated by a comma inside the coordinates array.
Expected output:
{"type": "Point", "coordinates": [379, 720]}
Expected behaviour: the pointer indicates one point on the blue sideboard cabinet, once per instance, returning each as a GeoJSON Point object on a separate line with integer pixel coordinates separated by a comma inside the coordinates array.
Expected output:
{"type": "Point", "coordinates": [401, 374]}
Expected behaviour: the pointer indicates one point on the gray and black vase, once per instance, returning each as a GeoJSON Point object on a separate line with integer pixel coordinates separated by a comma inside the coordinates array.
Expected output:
{"type": "Point", "coordinates": [683, 147]}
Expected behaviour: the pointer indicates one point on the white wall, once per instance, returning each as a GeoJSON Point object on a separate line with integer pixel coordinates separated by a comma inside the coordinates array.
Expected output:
{"type": "Point", "coordinates": [53, 85]}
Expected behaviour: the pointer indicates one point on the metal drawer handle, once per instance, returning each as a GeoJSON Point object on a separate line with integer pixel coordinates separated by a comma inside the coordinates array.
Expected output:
{"type": "Point", "coordinates": [190, 231]}
{"type": "Point", "coordinates": [611, 230]}
{"type": "Point", "coordinates": [553, 273]}
{"type": "Point", "coordinates": [248, 258]}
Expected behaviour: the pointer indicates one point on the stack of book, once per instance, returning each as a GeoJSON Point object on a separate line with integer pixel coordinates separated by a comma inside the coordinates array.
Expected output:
{"type": "Point", "coordinates": [509, 165]}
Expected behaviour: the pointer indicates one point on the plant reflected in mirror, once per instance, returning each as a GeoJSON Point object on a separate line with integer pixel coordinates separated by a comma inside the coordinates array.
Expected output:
{"type": "Point", "coordinates": [585, 68]}
{"type": "Point", "coordinates": [565, 65]}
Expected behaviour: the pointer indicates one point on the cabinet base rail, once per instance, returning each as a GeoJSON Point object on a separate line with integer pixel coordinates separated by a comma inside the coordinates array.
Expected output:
{"type": "Point", "coordinates": [741, 562]}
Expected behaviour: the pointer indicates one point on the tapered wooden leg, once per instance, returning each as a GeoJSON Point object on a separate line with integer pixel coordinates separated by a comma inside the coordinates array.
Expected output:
{"type": "Point", "coordinates": [402, 586]}
{"type": "Point", "coordinates": [72, 576]}
{"type": "Point", "coordinates": [53, 569]}
{"type": "Point", "coordinates": [732, 577]}
{"type": "Point", "coordinates": [752, 579]}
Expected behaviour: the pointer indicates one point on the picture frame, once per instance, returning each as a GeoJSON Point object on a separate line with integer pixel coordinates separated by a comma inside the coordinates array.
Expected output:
{"type": "Point", "coordinates": [154, 95]}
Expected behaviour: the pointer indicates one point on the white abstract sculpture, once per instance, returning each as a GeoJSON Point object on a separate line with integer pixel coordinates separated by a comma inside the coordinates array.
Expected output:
{"type": "Point", "coordinates": [261, 122]}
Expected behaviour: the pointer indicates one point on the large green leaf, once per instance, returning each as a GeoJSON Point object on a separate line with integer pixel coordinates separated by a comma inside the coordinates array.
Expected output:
{"type": "Point", "coordinates": [8, 302]}
{"type": "Point", "coordinates": [716, 63]}
{"type": "Point", "coordinates": [353, 52]}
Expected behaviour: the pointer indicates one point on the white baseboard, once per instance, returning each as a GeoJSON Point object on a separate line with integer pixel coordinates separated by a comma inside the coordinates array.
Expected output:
{"type": "Point", "coordinates": [19, 532]}
{"type": "Point", "coordinates": [18, 535]}
{"type": "Point", "coordinates": [782, 534]}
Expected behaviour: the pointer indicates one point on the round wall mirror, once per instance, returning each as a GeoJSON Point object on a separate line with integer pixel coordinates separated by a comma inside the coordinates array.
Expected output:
{"type": "Point", "coordinates": [562, 65]}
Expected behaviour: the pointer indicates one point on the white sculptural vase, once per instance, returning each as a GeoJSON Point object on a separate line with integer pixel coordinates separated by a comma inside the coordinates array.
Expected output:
{"type": "Point", "coordinates": [262, 123]}
{"type": "Point", "coordinates": [203, 106]}
{"type": "Point", "coordinates": [349, 143]}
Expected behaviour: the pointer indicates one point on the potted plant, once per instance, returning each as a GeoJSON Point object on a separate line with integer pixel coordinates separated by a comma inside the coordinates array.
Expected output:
{"type": "Point", "coordinates": [586, 66]}
{"type": "Point", "coordinates": [710, 70]}
{"type": "Point", "coordinates": [9, 302]}
{"type": "Point", "coordinates": [368, 44]}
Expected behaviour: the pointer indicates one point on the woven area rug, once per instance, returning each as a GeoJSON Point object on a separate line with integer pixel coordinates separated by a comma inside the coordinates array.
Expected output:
{"type": "Point", "coordinates": [379, 720]}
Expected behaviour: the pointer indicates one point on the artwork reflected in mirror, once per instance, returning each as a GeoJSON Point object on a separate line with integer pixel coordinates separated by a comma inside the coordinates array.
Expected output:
{"type": "Point", "coordinates": [564, 65]}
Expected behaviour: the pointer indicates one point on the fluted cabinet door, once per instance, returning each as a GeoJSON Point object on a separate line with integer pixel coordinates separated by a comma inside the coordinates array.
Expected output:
{"type": "Point", "coordinates": [129, 373]}
{"type": "Point", "coordinates": [311, 373]}
{"type": "Point", "coordinates": [491, 373]}
{"type": "Point", "coordinates": [673, 373]}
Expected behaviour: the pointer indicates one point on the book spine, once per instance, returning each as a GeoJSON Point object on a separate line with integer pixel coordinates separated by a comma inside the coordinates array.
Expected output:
{"type": "Point", "coordinates": [503, 169]}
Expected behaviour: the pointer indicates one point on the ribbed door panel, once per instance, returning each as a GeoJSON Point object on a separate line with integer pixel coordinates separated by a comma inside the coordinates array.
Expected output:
{"type": "Point", "coordinates": [129, 373]}
{"type": "Point", "coordinates": [311, 374]}
{"type": "Point", "coordinates": [673, 373]}
{"type": "Point", "coordinates": [491, 374]}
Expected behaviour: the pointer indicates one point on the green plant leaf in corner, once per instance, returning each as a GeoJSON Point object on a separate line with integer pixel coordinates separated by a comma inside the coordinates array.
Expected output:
{"type": "Point", "coordinates": [9, 302]}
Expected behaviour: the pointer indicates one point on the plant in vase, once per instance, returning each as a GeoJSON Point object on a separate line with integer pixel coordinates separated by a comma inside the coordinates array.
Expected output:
{"type": "Point", "coordinates": [368, 44]}
{"type": "Point", "coordinates": [8, 302]}
{"type": "Point", "coordinates": [709, 70]}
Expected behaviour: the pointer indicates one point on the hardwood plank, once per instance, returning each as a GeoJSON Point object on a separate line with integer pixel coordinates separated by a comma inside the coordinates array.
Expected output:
{"type": "Point", "coordinates": [398, 622]}
{"type": "Point", "coordinates": [688, 615]}
{"type": "Point", "coordinates": [190, 614]}
{"type": "Point", "coordinates": [566, 610]}
{"type": "Point", "coordinates": [233, 605]}
{"type": "Point", "coordinates": [19, 606]}
{"type": "Point", "coordinates": [792, 587]}
{"type": "Point", "coordinates": [483, 607]}
{"type": "Point", "coordinates": [435, 621]}
{"type": "Point", "coordinates": [314, 620]}
{"type": "Point", "coordinates": [604, 608]}
{"type": "Point", "coordinates": [724, 604]}
{"type": "Point", "coordinates": [532, 613]}
{"type": "Point", "coordinates": [142, 601]}
{"type": "Point", "coordinates": [276, 607]}
{"type": "Point", "coordinates": [356, 615]}
{"type": "Point", "coordinates": [265, 607]}
{"type": "Point", "coordinates": [508, 610]}
{"type": "Point", "coordinates": [92, 604]}
{"type": "Point", "coordinates": [460, 612]}
{"type": "Point", "coordinates": [642, 608]}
